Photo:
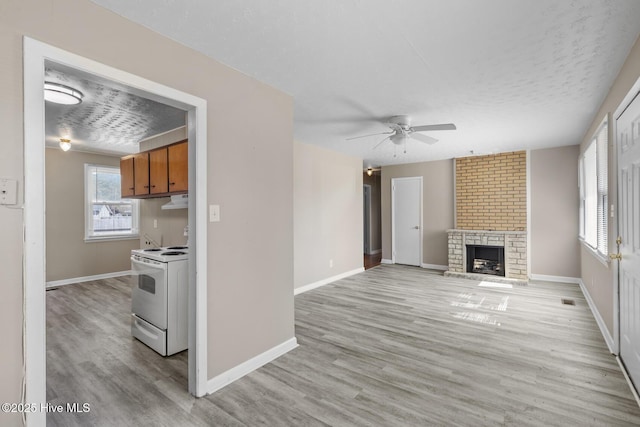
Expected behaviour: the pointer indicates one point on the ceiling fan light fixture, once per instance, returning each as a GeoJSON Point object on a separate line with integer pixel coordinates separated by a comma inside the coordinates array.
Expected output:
{"type": "Point", "coordinates": [61, 94]}
{"type": "Point", "coordinates": [65, 144]}
{"type": "Point", "coordinates": [399, 138]}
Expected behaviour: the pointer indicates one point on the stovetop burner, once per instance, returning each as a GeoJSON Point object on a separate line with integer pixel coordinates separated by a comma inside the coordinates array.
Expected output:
{"type": "Point", "coordinates": [172, 253]}
{"type": "Point", "coordinates": [178, 247]}
{"type": "Point", "coordinates": [153, 250]}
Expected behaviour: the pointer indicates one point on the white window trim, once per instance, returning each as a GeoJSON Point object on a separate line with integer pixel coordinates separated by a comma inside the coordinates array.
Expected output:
{"type": "Point", "coordinates": [89, 237]}
{"type": "Point", "coordinates": [600, 252]}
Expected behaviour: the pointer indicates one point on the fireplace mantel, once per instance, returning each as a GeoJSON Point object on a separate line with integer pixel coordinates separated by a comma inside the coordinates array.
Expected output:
{"type": "Point", "coordinates": [515, 252]}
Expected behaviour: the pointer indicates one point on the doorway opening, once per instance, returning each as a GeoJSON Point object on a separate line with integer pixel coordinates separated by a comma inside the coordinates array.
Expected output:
{"type": "Point", "coordinates": [36, 54]}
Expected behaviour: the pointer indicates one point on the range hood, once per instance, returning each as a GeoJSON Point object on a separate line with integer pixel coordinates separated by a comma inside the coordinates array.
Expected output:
{"type": "Point", "coordinates": [181, 201]}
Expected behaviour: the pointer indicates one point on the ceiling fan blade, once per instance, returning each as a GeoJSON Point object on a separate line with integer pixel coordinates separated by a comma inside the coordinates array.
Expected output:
{"type": "Point", "coordinates": [423, 138]}
{"type": "Point", "coordinates": [442, 126]}
{"type": "Point", "coordinates": [380, 143]}
{"type": "Point", "coordinates": [371, 134]}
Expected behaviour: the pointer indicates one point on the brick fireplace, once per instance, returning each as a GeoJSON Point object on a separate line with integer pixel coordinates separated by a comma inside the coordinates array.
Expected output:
{"type": "Point", "coordinates": [515, 252]}
{"type": "Point", "coordinates": [490, 238]}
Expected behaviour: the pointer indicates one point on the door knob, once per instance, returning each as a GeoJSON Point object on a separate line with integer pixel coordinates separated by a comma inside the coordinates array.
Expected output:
{"type": "Point", "coordinates": [417, 227]}
{"type": "Point", "coordinates": [617, 256]}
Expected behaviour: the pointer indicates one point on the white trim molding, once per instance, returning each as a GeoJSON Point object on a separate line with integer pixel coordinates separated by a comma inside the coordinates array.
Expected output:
{"type": "Point", "coordinates": [386, 261]}
{"type": "Point", "coordinates": [239, 371]}
{"type": "Point", "coordinates": [314, 285]}
{"type": "Point", "coordinates": [62, 282]}
{"type": "Point", "coordinates": [556, 279]}
{"type": "Point", "coordinates": [599, 320]}
{"type": "Point", "coordinates": [435, 267]}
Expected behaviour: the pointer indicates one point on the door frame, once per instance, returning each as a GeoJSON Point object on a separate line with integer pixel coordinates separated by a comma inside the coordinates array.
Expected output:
{"type": "Point", "coordinates": [35, 53]}
{"type": "Point", "coordinates": [626, 101]}
{"type": "Point", "coordinates": [393, 216]}
{"type": "Point", "coordinates": [366, 192]}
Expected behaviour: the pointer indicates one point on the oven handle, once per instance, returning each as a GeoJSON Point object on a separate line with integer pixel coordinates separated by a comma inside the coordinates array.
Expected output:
{"type": "Point", "coordinates": [159, 266]}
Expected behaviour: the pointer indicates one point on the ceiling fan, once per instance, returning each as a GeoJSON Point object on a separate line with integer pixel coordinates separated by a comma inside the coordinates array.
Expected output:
{"type": "Point", "coordinates": [402, 130]}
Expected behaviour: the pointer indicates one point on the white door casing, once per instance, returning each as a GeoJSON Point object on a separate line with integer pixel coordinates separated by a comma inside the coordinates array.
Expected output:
{"type": "Point", "coordinates": [366, 204]}
{"type": "Point", "coordinates": [35, 54]}
{"type": "Point", "coordinates": [406, 221]}
{"type": "Point", "coordinates": [628, 171]}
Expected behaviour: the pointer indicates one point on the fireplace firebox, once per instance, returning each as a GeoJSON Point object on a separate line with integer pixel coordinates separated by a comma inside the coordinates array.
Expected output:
{"type": "Point", "coordinates": [485, 259]}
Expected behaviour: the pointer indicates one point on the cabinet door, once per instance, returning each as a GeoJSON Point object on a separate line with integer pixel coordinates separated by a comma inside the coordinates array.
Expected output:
{"type": "Point", "coordinates": [179, 167]}
{"type": "Point", "coordinates": [141, 173]}
{"type": "Point", "coordinates": [126, 177]}
{"type": "Point", "coordinates": [158, 178]}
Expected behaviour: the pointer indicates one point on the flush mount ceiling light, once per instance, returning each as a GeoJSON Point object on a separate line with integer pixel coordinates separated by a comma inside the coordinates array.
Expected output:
{"type": "Point", "coordinates": [65, 144]}
{"type": "Point", "coordinates": [369, 171]}
{"type": "Point", "coordinates": [61, 94]}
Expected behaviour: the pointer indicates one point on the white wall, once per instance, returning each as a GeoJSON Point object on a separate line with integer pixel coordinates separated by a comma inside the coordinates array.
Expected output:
{"type": "Point", "coordinates": [328, 216]}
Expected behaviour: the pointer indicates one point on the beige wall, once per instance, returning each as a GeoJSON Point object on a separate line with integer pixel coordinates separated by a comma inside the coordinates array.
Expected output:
{"type": "Point", "coordinates": [438, 206]}
{"type": "Point", "coordinates": [555, 250]}
{"type": "Point", "coordinates": [327, 214]}
{"type": "Point", "coordinates": [376, 210]}
{"type": "Point", "coordinates": [250, 310]}
{"type": "Point", "coordinates": [68, 256]}
{"type": "Point", "coordinates": [598, 278]}
{"type": "Point", "coordinates": [491, 192]}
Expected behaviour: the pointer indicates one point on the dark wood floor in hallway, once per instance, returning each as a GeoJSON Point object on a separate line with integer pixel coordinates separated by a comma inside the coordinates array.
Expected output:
{"type": "Point", "coordinates": [392, 346]}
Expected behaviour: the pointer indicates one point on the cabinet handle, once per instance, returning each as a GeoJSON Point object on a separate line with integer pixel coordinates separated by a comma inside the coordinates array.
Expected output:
{"type": "Point", "coordinates": [132, 188]}
{"type": "Point", "coordinates": [146, 186]}
{"type": "Point", "coordinates": [153, 186]}
{"type": "Point", "coordinates": [172, 183]}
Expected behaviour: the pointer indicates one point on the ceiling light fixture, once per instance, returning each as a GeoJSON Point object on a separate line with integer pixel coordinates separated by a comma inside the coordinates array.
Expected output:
{"type": "Point", "coordinates": [61, 94]}
{"type": "Point", "coordinates": [65, 144]}
{"type": "Point", "coordinates": [369, 171]}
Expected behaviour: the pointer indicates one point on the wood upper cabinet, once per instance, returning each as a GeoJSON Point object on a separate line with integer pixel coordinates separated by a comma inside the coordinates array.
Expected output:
{"type": "Point", "coordinates": [156, 173]}
{"type": "Point", "coordinates": [141, 173]}
{"type": "Point", "coordinates": [127, 188]}
{"type": "Point", "coordinates": [158, 167]}
{"type": "Point", "coordinates": [178, 167]}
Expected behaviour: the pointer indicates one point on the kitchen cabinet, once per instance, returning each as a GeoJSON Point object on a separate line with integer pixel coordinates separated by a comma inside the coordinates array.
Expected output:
{"type": "Point", "coordinates": [141, 174]}
{"type": "Point", "coordinates": [178, 155]}
{"type": "Point", "coordinates": [159, 172]}
{"type": "Point", "coordinates": [126, 177]}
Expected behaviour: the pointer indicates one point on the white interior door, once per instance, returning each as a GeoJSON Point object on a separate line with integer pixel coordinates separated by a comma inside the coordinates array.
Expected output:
{"type": "Point", "coordinates": [406, 219]}
{"type": "Point", "coordinates": [628, 143]}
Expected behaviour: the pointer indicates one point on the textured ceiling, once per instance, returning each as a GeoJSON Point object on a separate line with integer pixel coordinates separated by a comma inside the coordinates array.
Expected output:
{"type": "Point", "coordinates": [511, 74]}
{"type": "Point", "coordinates": [110, 119]}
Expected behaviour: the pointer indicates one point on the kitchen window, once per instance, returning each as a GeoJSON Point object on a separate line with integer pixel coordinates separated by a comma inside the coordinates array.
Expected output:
{"type": "Point", "coordinates": [593, 181]}
{"type": "Point", "coordinates": [107, 215]}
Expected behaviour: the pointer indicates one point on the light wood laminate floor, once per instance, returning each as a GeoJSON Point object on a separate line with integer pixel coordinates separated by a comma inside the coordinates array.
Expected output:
{"type": "Point", "coordinates": [392, 346]}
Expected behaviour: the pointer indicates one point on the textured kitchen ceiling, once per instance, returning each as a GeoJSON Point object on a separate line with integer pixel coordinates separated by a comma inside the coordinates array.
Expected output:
{"type": "Point", "coordinates": [110, 118]}
{"type": "Point", "coordinates": [511, 74]}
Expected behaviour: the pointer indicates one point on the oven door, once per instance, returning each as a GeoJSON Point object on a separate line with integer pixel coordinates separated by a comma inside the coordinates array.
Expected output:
{"type": "Point", "coordinates": [149, 295]}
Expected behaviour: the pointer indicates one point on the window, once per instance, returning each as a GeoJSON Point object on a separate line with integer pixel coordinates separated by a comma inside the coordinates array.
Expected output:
{"type": "Point", "coordinates": [107, 216]}
{"type": "Point", "coordinates": [593, 192]}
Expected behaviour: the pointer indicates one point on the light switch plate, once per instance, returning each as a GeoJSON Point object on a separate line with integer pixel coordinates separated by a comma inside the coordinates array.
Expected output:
{"type": "Point", "coordinates": [214, 213]}
{"type": "Point", "coordinates": [8, 191]}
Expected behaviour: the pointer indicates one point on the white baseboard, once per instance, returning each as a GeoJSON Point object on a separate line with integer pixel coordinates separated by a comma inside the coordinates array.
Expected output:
{"type": "Point", "coordinates": [56, 283]}
{"type": "Point", "coordinates": [558, 279]}
{"type": "Point", "coordinates": [233, 374]}
{"type": "Point", "coordinates": [386, 261]}
{"type": "Point", "coordinates": [599, 320]}
{"type": "Point", "coordinates": [435, 267]}
{"type": "Point", "coordinates": [326, 281]}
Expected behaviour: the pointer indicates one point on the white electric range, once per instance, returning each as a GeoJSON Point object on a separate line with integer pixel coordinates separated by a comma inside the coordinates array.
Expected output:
{"type": "Point", "coordinates": [159, 301]}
